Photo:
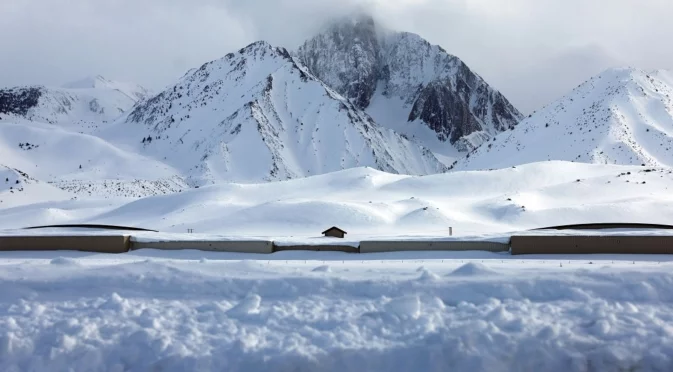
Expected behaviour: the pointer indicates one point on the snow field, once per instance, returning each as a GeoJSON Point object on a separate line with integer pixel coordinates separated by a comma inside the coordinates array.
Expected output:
{"type": "Point", "coordinates": [311, 311]}
{"type": "Point", "coordinates": [374, 205]}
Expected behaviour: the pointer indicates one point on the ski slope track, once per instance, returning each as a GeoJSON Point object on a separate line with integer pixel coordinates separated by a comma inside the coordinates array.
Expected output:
{"type": "Point", "coordinates": [622, 116]}
{"type": "Point", "coordinates": [258, 115]}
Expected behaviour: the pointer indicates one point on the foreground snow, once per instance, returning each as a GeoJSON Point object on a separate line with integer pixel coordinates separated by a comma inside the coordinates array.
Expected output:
{"type": "Point", "coordinates": [179, 311]}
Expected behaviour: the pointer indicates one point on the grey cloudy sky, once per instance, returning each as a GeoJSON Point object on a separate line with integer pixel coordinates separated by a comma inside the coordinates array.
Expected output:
{"type": "Point", "coordinates": [532, 50]}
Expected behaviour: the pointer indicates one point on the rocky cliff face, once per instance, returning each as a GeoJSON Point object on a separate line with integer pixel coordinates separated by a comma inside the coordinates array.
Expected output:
{"type": "Point", "coordinates": [347, 58]}
{"type": "Point", "coordinates": [259, 115]}
{"type": "Point", "coordinates": [436, 90]}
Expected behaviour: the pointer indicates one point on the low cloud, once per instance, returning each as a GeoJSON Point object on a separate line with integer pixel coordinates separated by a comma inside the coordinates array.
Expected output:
{"type": "Point", "coordinates": [533, 51]}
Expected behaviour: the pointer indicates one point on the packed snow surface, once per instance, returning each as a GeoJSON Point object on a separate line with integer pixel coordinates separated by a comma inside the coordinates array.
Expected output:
{"type": "Point", "coordinates": [299, 311]}
{"type": "Point", "coordinates": [371, 204]}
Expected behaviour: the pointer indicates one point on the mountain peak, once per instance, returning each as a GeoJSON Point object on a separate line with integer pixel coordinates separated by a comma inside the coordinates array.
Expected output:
{"type": "Point", "coordinates": [89, 82]}
{"type": "Point", "coordinates": [356, 20]}
{"type": "Point", "coordinates": [376, 68]}
{"type": "Point", "coordinates": [257, 115]}
{"type": "Point", "coordinates": [620, 116]}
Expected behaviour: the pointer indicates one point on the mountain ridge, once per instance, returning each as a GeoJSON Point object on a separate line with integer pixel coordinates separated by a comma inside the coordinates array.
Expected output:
{"type": "Point", "coordinates": [621, 116]}
{"type": "Point", "coordinates": [263, 126]}
{"type": "Point", "coordinates": [85, 103]}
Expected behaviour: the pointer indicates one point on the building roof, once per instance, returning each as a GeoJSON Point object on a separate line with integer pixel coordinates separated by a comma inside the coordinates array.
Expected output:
{"type": "Point", "coordinates": [90, 226]}
{"type": "Point", "coordinates": [334, 228]}
{"type": "Point", "coordinates": [609, 225]}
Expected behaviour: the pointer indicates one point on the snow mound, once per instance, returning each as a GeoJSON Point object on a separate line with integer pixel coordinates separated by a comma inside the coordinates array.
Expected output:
{"type": "Point", "coordinates": [116, 303]}
{"type": "Point", "coordinates": [322, 269]}
{"type": "Point", "coordinates": [405, 306]}
{"type": "Point", "coordinates": [249, 305]}
{"type": "Point", "coordinates": [473, 269]}
{"type": "Point", "coordinates": [64, 261]}
{"type": "Point", "coordinates": [428, 276]}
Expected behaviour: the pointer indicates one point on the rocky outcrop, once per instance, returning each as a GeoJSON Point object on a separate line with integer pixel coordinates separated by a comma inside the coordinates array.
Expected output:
{"type": "Point", "coordinates": [18, 101]}
{"type": "Point", "coordinates": [360, 60]}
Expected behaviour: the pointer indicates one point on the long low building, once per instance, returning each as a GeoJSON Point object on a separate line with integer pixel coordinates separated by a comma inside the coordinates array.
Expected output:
{"type": "Point", "coordinates": [591, 244]}
{"type": "Point", "coordinates": [610, 238]}
{"type": "Point", "coordinates": [86, 243]}
{"type": "Point", "coordinates": [367, 246]}
{"type": "Point", "coordinates": [236, 246]}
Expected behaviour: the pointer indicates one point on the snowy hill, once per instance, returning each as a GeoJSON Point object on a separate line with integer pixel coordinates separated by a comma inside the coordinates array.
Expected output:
{"type": "Point", "coordinates": [18, 188]}
{"type": "Point", "coordinates": [369, 203]}
{"type": "Point", "coordinates": [409, 85]}
{"type": "Point", "coordinates": [187, 310]}
{"type": "Point", "coordinates": [622, 116]}
{"type": "Point", "coordinates": [258, 115]}
{"type": "Point", "coordinates": [82, 163]}
{"type": "Point", "coordinates": [82, 105]}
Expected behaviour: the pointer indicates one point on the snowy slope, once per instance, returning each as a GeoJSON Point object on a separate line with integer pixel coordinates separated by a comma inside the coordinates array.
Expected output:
{"type": "Point", "coordinates": [82, 105]}
{"type": "Point", "coordinates": [622, 116]}
{"type": "Point", "coordinates": [82, 163]}
{"type": "Point", "coordinates": [18, 188]}
{"type": "Point", "coordinates": [369, 203]}
{"type": "Point", "coordinates": [409, 85]}
{"type": "Point", "coordinates": [257, 115]}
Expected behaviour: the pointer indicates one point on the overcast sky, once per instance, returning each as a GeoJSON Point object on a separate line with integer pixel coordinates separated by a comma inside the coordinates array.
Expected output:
{"type": "Point", "coordinates": [532, 50]}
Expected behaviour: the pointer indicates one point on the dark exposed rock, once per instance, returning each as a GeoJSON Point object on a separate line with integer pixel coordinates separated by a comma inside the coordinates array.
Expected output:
{"type": "Point", "coordinates": [445, 112]}
{"type": "Point", "coordinates": [355, 58]}
{"type": "Point", "coordinates": [19, 101]}
{"type": "Point", "coordinates": [347, 59]}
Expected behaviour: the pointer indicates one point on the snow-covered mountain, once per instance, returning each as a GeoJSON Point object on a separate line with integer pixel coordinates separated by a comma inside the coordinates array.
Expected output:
{"type": "Point", "coordinates": [621, 116]}
{"type": "Point", "coordinates": [371, 204]}
{"type": "Point", "coordinates": [132, 90]}
{"type": "Point", "coordinates": [409, 85]}
{"type": "Point", "coordinates": [85, 103]}
{"type": "Point", "coordinates": [259, 115]}
{"type": "Point", "coordinates": [83, 164]}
